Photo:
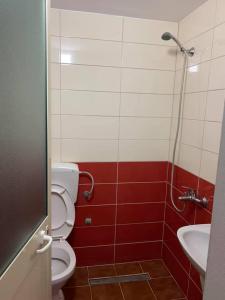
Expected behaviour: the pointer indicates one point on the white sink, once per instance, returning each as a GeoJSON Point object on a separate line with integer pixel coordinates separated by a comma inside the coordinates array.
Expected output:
{"type": "Point", "coordinates": [194, 240]}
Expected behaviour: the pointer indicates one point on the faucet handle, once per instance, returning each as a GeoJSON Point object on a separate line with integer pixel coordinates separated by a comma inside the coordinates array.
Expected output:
{"type": "Point", "coordinates": [190, 190]}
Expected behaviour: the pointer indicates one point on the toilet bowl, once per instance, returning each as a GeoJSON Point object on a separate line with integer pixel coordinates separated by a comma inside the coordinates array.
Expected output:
{"type": "Point", "coordinates": [63, 196]}
{"type": "Point", "coordinates": [63, 266]}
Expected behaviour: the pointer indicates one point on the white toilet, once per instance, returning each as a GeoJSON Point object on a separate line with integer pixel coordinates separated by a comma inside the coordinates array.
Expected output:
{"type": "Point", "coordinates": [65, 178]}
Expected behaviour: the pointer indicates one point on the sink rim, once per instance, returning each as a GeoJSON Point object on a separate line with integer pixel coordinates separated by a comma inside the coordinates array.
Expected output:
{"type": "Point", "coordinates": [203, 228]}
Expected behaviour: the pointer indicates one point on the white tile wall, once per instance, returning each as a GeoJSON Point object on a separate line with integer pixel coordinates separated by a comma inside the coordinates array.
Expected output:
{"type": "Point", "coordinates": [143, 150]}
{"type": "Point", "coordinates": [215, 105]}
{"type": "Point", "coordinates": [220, 13]}
{"type": "Point", "coordinates": [148, 56]}
{"type": "Point", "coordinates": [89, 150]}
{"type": "Point", "coordinates": [90, 103]}
{"type": "Point", "coordinates": [205, 89]}
{"type": "Point", "coordinates": [212, 134]}
{"type": "Point", "coordinates": [147, 31]}
{"type": "Point", "coordinates": [89, 127]}
{"type": "Point", "coordinates": [144, 128]}
{"type": "Point", "coordinates": [112, 82]}
{"type": "Point", "coordinates": [55, 150]}
{"type": "Point", "coordinates": [209, 166]}
{"type": "Point", "coordinates": [112, 87]}
{"type": "Point", "coordinates": [197, 78]}
{"type": "Point", "coordinates": [219, 41]}
{"type": "Point", "coordinates": [54, 22]}
{"type": "Point", "coordinates": [198, 22]}
{"type": "Point", "coordinates": [91, 25]}
{"type": "Point", "coordinates": [55, 102]}
{"type": "Point", "coordinates": [55, 49]}
{"type": "Point", "coordinates": [92, 78]}
{"type": "Point", "coordinates": [194, 106]}
{"type": "Point", "coordinates": [147, 81]}
{"type": "Point", "coordinates": [55, 76]}
{"type": "Point", "coordinates": [203, 49]}
{"type": "Point", "coordinates": [217, 74]}
{"type": "Point", "coordinates": [192, 132]}
{"type": "Point", "coordinates": [90, 52]}
{"type": "Point", "coordinates": [146, 105]}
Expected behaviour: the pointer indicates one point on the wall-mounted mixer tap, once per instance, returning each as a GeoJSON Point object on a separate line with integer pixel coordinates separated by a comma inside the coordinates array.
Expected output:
{"type": "Point", "coordinates": [190, 195]}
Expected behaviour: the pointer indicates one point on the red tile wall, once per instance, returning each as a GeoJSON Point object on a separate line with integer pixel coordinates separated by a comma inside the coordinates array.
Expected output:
{"type": "Point", "coordinates": [177, 262]}
{"type": "Point", "coordinates": [127, 212]}
{"type": "Point", "coordinates": [133, 217]}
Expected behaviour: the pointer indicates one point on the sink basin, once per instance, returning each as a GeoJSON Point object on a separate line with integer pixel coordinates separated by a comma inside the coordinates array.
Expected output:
{"type": "Point", "coordinates": [194, 240]}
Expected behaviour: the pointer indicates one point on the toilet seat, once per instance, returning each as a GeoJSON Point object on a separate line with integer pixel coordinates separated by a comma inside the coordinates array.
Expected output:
{"type": "Point", "coordinates": [63, 261]}
{"type": "Point", "coordinates": [63, 212]}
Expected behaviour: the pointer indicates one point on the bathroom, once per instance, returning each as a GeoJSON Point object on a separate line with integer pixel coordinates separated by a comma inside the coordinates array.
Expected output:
{"type": "Point", "coordinates": [112, 152]}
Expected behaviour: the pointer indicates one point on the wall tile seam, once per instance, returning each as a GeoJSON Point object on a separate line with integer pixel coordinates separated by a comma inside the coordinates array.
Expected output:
{"type": "Point", "coordinates": [178, 215]}
{"type": "Point", "coordinates": [201, 91]}
{"type": "Point", "coordinates": [164, 213]}
{"type": "Point", "coordinates": [176, 259]}
{"type": "Point", "coordinates": [112, 41]}
{"type": "Point", "coordinates": [116, 67]}
{"type": "Point", "coordinates": [120, 204]}
{"type": "Point", "coordinates": [116, 116]}
{"type": "Point", "coordinates": [199, 120]}
{"type": "Point", "coordinates": [125, 182]}
{"type": "Point", "coordinates": [205, 110]}
{"type": "Point", "coordinates": [121, 244]}
{"type": "Point", "coordinates": [114, 92]}
{"type": "Point", "coordinates": [116, 245]}
{"type": "Point", "coordinates": [203, 32]}
{"type": "Point", "coordinates": [160, 222]}
{"type": "Point", "coordinates": [212, 59]}
{"type": "Point", "coordinates": [201, 149]}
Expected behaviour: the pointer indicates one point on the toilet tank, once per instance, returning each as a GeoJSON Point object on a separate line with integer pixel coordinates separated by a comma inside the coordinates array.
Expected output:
{"type": "Point", "coordinates": [67, 176]}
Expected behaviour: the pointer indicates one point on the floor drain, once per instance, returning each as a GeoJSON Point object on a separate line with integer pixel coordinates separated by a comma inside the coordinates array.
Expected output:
{"type": "Point", "coordinates": [119, 279]}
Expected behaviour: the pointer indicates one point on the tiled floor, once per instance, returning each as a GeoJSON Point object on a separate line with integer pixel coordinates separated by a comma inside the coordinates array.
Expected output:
{"type": "Point", "coordinates": [161, 286]}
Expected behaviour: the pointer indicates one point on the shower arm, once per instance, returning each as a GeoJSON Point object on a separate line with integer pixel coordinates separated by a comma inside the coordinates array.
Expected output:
{"type": "Point", "coordinates": [88, 194]}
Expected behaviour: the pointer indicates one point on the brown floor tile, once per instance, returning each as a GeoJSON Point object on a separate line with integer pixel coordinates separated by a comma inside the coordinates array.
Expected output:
{"type": "Point", "coordinates": [137, 291]}
{"type": "Point", "coordinates": [128, 268]}
{"type": "Point", "coordinates": [77, 293]}
{"type": "Point", "coordinates": [101, 271]}
{"type": "Point", "coordinates": [80, 277]}
{"type": "Point", "coordinates": [106, 292]}
{"type": "Point", "coordinates": [155, 268]}
{"type": "Point", "coordinates": [166, 289]}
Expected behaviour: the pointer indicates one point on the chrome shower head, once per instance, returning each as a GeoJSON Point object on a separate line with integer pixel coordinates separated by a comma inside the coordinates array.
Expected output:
{"type": "Point", "coordinates": [166, 36]}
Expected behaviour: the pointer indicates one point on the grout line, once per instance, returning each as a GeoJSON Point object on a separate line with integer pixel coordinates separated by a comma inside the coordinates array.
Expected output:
{"type": "Point", "coordinates": [173, 276]}
{"type": "Point", "coordinates": [115, 41]}
{"type": "Point", "coordinates": [124, 182]}
{"type": "Point", "coordinates": [121, 204]}
{"type": "Point", "coordinates": [148, 282]}
{"type": "Point", "coordinates": [114, 67]}
{"type": "Point", "coordinates": [119, 244]}
{"type": "Point", "coordinates": [114, 92]}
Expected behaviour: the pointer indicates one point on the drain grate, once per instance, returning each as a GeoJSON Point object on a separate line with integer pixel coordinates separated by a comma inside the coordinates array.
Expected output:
{"type": "Point", "coordinates": [119, 279]}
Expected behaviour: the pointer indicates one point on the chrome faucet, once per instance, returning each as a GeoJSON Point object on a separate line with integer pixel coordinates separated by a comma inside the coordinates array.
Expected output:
{"type": "Point", "coordinates": [190, 195]}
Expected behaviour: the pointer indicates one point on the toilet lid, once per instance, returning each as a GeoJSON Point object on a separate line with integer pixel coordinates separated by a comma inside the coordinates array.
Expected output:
{"type": "Point", "coordinates": [63, 212]}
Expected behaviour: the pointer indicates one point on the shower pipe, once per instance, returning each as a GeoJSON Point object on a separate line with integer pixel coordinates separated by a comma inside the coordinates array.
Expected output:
{"type": "Point", "coordinates": [187, 53]}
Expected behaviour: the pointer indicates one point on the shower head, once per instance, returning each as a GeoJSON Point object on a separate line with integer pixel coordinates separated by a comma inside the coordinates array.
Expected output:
{"type": "Point", "coordinates": [166, 36]}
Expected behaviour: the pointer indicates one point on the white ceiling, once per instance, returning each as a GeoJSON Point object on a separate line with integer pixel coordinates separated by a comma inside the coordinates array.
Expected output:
{"type": "Point", "coordinates": [168, 10]}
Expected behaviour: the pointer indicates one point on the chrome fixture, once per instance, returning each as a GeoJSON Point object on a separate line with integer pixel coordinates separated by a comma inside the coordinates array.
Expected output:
{"type": "Point", "coordinates": [187, 53]}
{"type": "Point", "coordinates": [88, 194]}
{"type": "Point", "coordinates": [168, 36]}
{"type": "Point", "coordinates": [190, 195]}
